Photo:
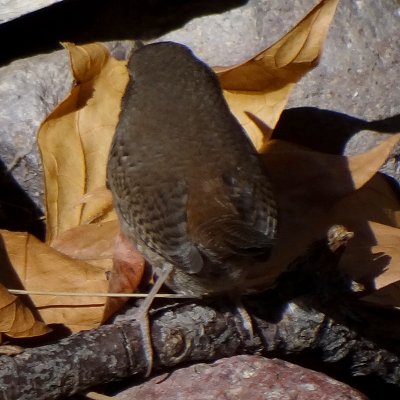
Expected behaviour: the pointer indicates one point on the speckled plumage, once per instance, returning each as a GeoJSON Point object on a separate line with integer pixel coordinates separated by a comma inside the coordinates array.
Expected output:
{"type": "Point", "coordinates": [187, 184]}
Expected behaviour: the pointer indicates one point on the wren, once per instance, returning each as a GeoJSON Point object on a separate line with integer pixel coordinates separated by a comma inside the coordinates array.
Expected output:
{"type": "Point", "coordinates": [188, 186]}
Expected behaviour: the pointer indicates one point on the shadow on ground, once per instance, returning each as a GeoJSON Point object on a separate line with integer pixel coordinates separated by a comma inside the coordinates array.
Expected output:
{"type": "Point", "coordinates": [326, 131]}
{"type": "Point", "coordinates": [100, 20]}
{"type": "Point", "coordinates": [17, 211]}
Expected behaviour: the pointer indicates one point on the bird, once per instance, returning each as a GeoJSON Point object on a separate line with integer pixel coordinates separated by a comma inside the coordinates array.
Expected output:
{"type": "Point", "coordinates": [188, 186]}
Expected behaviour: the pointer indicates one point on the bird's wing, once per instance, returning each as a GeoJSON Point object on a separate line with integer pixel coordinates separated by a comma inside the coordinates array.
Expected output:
{"type": "Point", "coordinates": [240, 218]}
{"type": "Point", "coordinates": [254, 200]}
{"type": "Point", "coordinates": [156, 214]}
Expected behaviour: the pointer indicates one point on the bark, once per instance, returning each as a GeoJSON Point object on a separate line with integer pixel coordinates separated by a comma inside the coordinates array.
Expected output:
{"type": "Point", "coordinates": [312, 307]}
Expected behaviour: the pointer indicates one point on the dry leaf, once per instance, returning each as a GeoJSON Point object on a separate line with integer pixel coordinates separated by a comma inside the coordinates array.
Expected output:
{"type": "Point", "coordinates": [376, 256]}
{"type": "Point", "coordinates": [128, 269]}
{"type": "Point", "coordinates": [308, 185]}
{"type": "Point", "coordinates": [373, 256]}
{"type": "Point", "coordinates": [376, 201]}
{"type": "Point", "coordinates": [258, 89]}
{"type": "Point", "coordinates": [100, 192]}
{"type": "Point", "coordinates": [16, 320]}
{"type": "Point", "coordinates": [74, 139]}
{"type": "Point", "coordinates": [92, 243]}
{"type": "Point", "coordinates": [41, 268]}
{"type": "Point", "coordinates": [364, 166]}
{"type": "Point", "coordinates": [74, 142]}
{"type": "Point", "coordinates": [374, 260]}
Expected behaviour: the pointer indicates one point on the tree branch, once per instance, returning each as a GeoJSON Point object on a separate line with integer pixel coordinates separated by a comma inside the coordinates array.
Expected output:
{"type": "Point", "coordinates": [312, 307]}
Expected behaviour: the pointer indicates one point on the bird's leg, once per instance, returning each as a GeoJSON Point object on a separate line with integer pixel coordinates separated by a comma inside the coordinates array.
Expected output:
{"type": "Point", "coordinates": [143, 316]}
{"type": "Point", "coordinates": [244, 315]}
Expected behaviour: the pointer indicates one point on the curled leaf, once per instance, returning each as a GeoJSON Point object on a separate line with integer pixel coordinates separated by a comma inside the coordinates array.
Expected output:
{"type": "Point", "coordinates": [75, 138]}
{"type": "Point", "coordinates": [309, 186]}
{"type": "Point", "coordinates": [16, 319]}
{"type": "Point", "coordinates": [91, 243]}
{"type": "Point", "coordinates": [127, 273]}
{"type": "Point", "coordinates": [258, 89]}
{"type": "Point", "coordinates": [41, 268]}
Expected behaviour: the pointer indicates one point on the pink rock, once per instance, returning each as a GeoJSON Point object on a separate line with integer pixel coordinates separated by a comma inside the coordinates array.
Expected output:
{"type": "Point", "coordinates": [243, 378]}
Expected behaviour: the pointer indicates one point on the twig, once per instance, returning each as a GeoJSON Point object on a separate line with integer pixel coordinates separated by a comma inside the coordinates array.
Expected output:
{"type": "Point", "coordinates": [311, 308]}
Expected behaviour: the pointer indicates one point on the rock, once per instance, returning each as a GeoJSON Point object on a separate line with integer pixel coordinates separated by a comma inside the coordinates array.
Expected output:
{"type": "Point", "coordinates": [359, 65]}
{"type": "Point", "coordinates": [238, 34]}
{"type": "Point", "coordinates": [353, 84]}
{"type": "Point", "coordinates": [242, 378]}
{"type": "Point", "coordinates": [11, 9]}
{"type": "Point", "coordinates": [348, 104]}
{"type": "Point", "coordinates": [337, 107]}
{"type": "Point", "coordinates": [29, 90]}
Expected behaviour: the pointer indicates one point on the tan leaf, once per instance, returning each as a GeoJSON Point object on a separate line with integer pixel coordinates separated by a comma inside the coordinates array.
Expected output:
{"type": "Point", "coordinates": [74, 139]}
{"type": "Point", "coordinates": [100, 195]}
{"type": "Point", "coordinates": [364, 166]}
{"type": "Point", "coordinates": [91, 243]}
{"type": "Point", "coordinates": [374, 260]}
{"type": "Point", "coordinates": [375, 201]}
{"type": "Point", "coordinates": [373, 256]}
{"type": "Point", "coordinates": [16, 320]}
{"type": "Point", "coordinates": [74, 142]}
{"type": "Point", "coordinates": [382, 264]}
{"type": "Point", "coordinates": [41, 268]}
{"type": "Point", "coordinates": [258, 89]}
{"type": "Point", "coordinates": [308, 185]}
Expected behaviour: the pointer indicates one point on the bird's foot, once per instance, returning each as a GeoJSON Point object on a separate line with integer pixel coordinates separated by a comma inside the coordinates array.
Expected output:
{"type": "Point", "coordinates": [142, 317]}
{"type": "Point", "coordinates": [244, 315]}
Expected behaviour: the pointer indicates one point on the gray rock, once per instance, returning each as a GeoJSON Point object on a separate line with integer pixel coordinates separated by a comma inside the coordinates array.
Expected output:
{"type": "Point", "coordinates": [359, 72]}
{"type": "Point", "coordinates": [29, 90]}
{"type": "Point", "coordinates": [11, 9]}
{"type": "Point", "coordinates": [232, 37]}
{"type": "Point", "coordinates": [360, 63]}
{"type": "Point", "coordinates": [357, 77]}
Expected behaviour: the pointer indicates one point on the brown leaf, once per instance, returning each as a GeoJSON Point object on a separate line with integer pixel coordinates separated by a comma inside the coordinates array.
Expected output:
{"type": "Point", "coordinates": [74, 139]}
{"type": "Point", "coordinates": [308, 185]}
{"type": "Point", "coordinates": [373, 256]}
{"type": "Point", "coordinates": [373, 259]}
{"type": "Point", "coordinates": [364, 166]}
{"type": "Point", "coordinates": [127, 273]}
{"type": "Point", "coordinates": [102, 245]}
{"type": "Point", "coordinates": [92, 243]}
{"type": "Point", "coordinates": [375, 201]}
{"type": "Point", "coordinates": [41, 268]}
{"type": "Point", "coordinates": [16, 320]}
{"type": "Point", "coordinates": [258, 89]}
{"type": "Point", "coordinates": [74, 142]}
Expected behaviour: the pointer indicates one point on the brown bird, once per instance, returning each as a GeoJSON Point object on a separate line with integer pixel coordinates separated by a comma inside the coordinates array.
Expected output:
{"type": "Point", "coordinates": [188, 186]}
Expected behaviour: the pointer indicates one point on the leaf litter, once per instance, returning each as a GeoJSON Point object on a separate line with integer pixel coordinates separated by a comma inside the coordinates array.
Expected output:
{"type": "Point", "coordinates": [314, 190]}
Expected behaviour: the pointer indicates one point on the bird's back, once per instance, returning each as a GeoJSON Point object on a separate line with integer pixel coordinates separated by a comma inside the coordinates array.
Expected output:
{"type": "Point", "coordinates": [186, 180]}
